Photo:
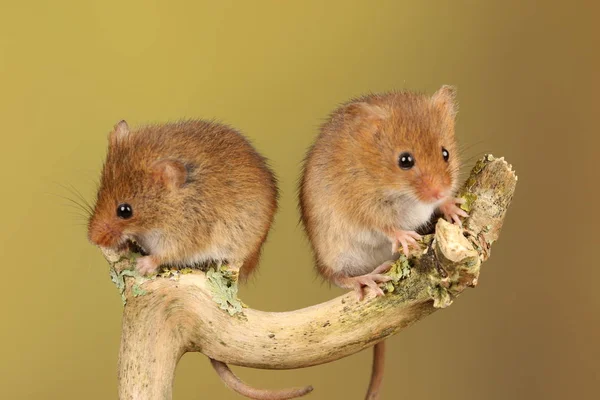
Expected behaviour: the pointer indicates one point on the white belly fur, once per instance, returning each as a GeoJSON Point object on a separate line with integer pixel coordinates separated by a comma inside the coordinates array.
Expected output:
{"type": "Point", "coordinates": [361, 251]}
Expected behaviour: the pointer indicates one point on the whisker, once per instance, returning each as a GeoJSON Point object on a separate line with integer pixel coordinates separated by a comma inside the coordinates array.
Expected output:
{"type": "Point", "coordinates": [72, 190]}
{"type": "Point", "coordinates": [75, 204]}
{"type": "Point", "coordinates": [85, 201]}
{"type": "Point", "coordinates": [463, 146]}
{"type": "Point", "coordinates": [77, 213]}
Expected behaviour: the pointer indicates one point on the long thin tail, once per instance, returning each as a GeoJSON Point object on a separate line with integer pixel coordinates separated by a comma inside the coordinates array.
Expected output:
{"type": "Point", "coordinates": [377, 371]}
{"type": "Point", "coordinates": [234, 383]}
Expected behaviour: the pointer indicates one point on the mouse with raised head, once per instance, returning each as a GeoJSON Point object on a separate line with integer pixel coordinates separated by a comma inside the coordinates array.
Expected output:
{"type": "Point", "coordinates": [187, 193]}
{"type": "Point", "coordinates": [380, 167]}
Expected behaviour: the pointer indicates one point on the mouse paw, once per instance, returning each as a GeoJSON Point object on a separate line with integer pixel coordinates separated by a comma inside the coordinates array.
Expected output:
{"type": "Point", "coordinates": [384, 267]}
{"type": "Point", "coordinates": [371, 280]}
{"type": "Point", "coordinates": [146, 265]}
{"type": "Point", "coordinates": [404, 239]}
{"type": "Point", "coordinates": [452, 212]}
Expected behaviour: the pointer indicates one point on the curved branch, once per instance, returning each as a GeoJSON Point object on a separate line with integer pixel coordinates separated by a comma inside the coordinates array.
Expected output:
{"type": "Point", "coordinates": [169, 315]}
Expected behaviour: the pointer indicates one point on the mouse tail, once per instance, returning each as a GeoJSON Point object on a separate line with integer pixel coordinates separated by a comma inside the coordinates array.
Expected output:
{"type": "Point", "coordinates": [234, 383]}
{"type": "Point", "coordinates": [376, 371]}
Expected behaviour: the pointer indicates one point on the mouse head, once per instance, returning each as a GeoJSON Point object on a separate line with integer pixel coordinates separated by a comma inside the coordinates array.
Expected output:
{"type": "Point", "coordinates": [412, 142]}
{"type": "Point", "coordinates": [135, 186]}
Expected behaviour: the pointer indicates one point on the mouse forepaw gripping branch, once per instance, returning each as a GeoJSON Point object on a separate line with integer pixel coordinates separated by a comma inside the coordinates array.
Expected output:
{"type": "Point", "coordinates": [179, 311]}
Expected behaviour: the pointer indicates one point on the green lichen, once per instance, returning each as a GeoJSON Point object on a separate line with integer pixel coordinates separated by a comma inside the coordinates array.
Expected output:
{"type": "Point", "coordinates": [472, 263]}
{"type": "Point", "coordinates": [440, 295]}
{"type": "Point", "coordinates": [172, 273]}
{"type": "Point", "coordinates": [168, 273]}
{"type": "Point", "coordinates": [479, 166]}
{"type": "Point", "coordinates": [469, 200]}
{"type": "Point", "coordinates": [118, 278]}
{"type": "Point", "coordinates": [399, 270]}
{"type": "Point", "coordinates": [223, 284]}
{"type": "Point", "coordinates": [137, 290]}
{"type": "Point", "coordinates": [119, 281]}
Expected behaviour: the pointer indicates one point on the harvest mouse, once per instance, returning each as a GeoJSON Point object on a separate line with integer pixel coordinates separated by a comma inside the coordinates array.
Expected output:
{"type": "Point", "coordinates": [380, 167]}
{"type": "Point", "coordinates": [187, 192]}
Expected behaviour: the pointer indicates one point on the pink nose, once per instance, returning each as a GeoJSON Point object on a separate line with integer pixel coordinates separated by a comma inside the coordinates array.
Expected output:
{"type": "Point", "coordinates": [432, 194]}
{"type": "Point", "coordinates": [103, 234]}
{"type": "Point", "coordinates": [431, 188]}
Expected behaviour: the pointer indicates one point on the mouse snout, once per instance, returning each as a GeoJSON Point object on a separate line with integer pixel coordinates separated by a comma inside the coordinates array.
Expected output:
{"type": "Point", "coordinates": [104, 234]}
{"type": "Point", "coordinates": [431, 189]}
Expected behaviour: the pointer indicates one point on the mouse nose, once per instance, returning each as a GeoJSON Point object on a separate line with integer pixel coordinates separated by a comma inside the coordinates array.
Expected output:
{"type": "Point", "coordinates": [433, 193]}
{"type": "Point", "coordinates": [103, 234]}
{"type": "Point", "coordinates": [431, 189]}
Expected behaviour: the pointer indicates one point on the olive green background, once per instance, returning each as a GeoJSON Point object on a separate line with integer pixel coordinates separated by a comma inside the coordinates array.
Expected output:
{"type": "Point", "coordinates": [527, 74]}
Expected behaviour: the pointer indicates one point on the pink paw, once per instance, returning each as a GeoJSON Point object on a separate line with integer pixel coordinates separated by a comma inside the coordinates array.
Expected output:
{"type": "Point", "coordinates": [405, 239]}
{"type": "Point", "coordinates": [146, 265]}
{"type": "Point", "coordinates": [452, 212]}
{"type": "Point", "coordinates": [371, 280]}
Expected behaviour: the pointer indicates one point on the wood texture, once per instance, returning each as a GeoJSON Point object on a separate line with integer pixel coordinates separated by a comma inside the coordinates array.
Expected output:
{"type": "Point", "coordinates": [164, 317]}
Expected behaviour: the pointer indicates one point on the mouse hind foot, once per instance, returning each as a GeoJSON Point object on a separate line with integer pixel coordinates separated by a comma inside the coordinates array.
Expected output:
{"type": "Point", "coordinates": [371, 280]}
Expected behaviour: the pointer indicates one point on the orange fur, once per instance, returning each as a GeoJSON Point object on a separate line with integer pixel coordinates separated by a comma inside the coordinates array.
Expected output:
{"type": "Point", "coordinates": [194, 186]}
{"type": "Point", "coordinates": [352, 168]}
{"type": "Point", "coordinates": [353, 195]}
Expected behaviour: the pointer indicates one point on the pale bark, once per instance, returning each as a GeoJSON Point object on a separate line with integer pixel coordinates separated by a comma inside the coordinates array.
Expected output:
{"type": "Point", "coordinates": [165, 317]}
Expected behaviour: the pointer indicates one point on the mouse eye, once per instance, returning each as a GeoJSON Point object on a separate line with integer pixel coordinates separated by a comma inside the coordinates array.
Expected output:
{"type": "Point", "coordinates": [445, 154]}
{"type": "Point", "coordinates": [124, 211]}
{"type": "Point", "coordinates": [406, 161]}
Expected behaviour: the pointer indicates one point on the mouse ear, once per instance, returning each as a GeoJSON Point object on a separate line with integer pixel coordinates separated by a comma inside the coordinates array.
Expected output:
{"type": "Point", "coordinates": [119, 132]}
{"type": "Point", "coordinates": [445, 98]}
{"type": "Point", "coordinates": [171, 173]}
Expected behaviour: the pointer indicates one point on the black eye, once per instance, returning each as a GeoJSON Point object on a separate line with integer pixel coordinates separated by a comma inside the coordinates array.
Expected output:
{"type": "Point", "coordinates": [445, 154]}
{"type": "Point", "coordinates": [406, 161]}
{"type": "Point", "coordinates": [124, 211]}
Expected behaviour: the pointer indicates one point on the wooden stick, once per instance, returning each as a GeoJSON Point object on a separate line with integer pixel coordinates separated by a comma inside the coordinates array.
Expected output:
{"type": "Point", "coordinates": [180, 311]}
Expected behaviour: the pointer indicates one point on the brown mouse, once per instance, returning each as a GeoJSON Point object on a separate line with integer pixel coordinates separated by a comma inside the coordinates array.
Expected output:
{"type": "Point", "coordinates": [186, 193]}
{"type": "Point", "coordinates": [380, 167]}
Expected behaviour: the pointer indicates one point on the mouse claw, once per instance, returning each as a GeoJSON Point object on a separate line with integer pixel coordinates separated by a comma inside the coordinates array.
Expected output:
{"type": "Point", "coordinates": [384, 267]}
{"type": "Point", "coordinates": [371, 281]}
{"type": "Point", "coordinates": [406, 239]}
{"type": "Point", "coordinates": [452, 212]}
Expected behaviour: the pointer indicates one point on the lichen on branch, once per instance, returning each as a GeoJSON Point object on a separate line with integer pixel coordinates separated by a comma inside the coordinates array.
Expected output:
{"type": "Point", "coordinates": [200, 311]}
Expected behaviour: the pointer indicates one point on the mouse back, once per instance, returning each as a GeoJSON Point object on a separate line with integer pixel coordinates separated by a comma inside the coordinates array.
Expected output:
{"type": "Point", "coordinates": [173, 186]}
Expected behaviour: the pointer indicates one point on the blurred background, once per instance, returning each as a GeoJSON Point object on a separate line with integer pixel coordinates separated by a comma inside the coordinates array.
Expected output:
{"type": "Point", "coordinates": [527, 78]}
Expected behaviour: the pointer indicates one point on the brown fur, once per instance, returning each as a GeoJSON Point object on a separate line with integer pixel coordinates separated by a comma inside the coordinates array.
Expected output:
{"type": "Point", "coordinates": [353, 165]}
{"type": "Point", "coordinates": [193, 185]}
{"type": "Point", "coordinates": [353, 194]}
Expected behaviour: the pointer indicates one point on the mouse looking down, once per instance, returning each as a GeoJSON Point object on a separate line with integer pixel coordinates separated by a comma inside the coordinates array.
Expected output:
{"type": "Point", "coordinates": [380, 167]}
{"type": "Point", "coordinates": [187, 193]}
